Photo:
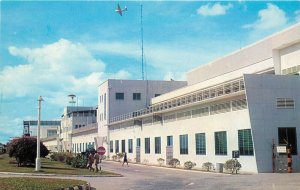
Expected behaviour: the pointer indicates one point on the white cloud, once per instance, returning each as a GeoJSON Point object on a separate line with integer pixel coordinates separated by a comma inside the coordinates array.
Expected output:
{"type": "Point", "coordinates": [54, 71]}
{"type": "Point", "coordinates": [163, 57]}
{"type": "Point", "coordinates": [214, 10]}
{"type": "Point", "coordinates": [270, 18]}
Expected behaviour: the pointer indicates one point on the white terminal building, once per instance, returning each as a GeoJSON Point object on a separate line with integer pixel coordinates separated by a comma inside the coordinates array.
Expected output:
{"type": "Point", "coordinates": [244, 101]}
{"type": "Point", "coordinates": [247, 101]}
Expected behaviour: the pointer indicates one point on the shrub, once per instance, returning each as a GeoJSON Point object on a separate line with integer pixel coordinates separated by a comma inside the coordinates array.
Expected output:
{"type": "Point", "coordinates": [189, 165]}
{"type": "Point", "coordinates": [232, 165]}
{"type": "Point", "coordinates": [24, 150]}
{"type": "Point", "coordinates": [160, 161]}
{"type": "Point", "coordinates": [120, 156]}
{"type": "Point", "coordinates": [174, 162]}
{"type": "Point", "coordinates": [207, 166]}
{"type": "Point", "coordinates": [69, 160]}
{"type": "Point", "coordinates": [61, 156]}
{"type": "Point", "coordinates": [114, 157]}
{"type": "Point", "coordinates": [80, 161]}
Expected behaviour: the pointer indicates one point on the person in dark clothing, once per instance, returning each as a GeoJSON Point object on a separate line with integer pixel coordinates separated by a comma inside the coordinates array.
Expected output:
{"type": "Point", "coordinates": [125, 159]}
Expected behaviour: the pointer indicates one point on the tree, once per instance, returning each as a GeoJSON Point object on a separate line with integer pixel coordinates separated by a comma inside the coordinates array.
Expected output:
{"type": "Point", "coordinates": [24, 150]}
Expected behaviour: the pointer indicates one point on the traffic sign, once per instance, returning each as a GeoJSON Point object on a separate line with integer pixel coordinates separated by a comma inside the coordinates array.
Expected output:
{"type": "Point", "coordinates": [101, 150]}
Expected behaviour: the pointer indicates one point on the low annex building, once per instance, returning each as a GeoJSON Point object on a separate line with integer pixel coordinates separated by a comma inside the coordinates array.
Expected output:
{"type": "Point", "coordinates": [48, 133]}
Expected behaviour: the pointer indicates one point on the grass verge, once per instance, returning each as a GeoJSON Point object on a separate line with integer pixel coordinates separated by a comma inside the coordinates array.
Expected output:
{"type": "Point", "coordinates": [8, 164]}
{"type": "Point", "coordinates": [18, 183]}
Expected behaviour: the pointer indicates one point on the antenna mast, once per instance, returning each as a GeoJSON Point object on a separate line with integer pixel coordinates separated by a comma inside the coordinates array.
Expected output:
{"type": "Point", "coordinates": [142, 40]}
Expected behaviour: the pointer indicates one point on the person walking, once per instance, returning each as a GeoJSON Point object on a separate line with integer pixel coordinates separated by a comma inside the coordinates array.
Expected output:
{"type": "Point", "coordinates": [90, 162]}
{"type": "Point", "coordinates": [97, 161]}
{"type": "Point", "coordinates": [125, 159]}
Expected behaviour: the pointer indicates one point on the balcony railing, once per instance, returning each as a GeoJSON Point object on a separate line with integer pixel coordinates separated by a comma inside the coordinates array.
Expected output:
{"type": "Point", "coordinates": [194, 97]}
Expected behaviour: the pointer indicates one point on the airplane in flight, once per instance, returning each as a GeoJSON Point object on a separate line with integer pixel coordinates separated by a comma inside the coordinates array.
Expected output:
{"type": "Point", "coordinates": [120, 11]}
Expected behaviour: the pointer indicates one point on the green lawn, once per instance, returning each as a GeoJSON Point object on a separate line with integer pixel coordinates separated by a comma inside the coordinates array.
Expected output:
{"type": "Point", "coordinates": [21, 183]}
{"type": "Point", "coordinates": [8, 164]}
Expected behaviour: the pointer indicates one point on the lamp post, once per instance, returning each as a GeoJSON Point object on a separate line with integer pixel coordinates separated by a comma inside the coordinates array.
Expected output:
{"type": "Point", "coordinates": [37, 160]}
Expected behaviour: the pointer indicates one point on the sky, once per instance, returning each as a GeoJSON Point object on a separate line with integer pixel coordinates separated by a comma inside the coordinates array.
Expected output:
{"type": "Point", "coordinates": [58, 48]}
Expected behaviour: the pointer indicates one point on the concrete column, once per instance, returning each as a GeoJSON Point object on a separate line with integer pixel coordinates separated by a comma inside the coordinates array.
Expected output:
{"type": "Point", "coordinates": [277, 61]}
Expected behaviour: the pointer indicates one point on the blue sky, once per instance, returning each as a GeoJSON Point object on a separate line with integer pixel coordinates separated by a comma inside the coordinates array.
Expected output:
{"type": "Point", "coordinates": [57, 48]}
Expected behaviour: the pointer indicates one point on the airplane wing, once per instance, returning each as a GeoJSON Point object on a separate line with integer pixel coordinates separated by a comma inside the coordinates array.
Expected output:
{"type": "Point", "coordinates": [119, 10]}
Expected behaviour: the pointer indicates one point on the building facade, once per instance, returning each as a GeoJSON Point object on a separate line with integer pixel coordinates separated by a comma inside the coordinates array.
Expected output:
{"type": "Point", "coordinates": [117, 97]}
{"type": "Point", "coordinates": [48, 132]}
{"type": "Point", "coordinates": [244, 101]}
{"type": "Point", "coordinates": [76, 119]}
{"type": "Point", "coordinates": [48, 128]}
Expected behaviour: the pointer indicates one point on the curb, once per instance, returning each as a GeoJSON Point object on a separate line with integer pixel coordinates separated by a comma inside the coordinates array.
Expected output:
{"type": "Point", "coordinates": [56, 175]}
{"type": "Point", "coordinates": [182, 169]}
{"type": "Point", "coordinates": [87, 186]}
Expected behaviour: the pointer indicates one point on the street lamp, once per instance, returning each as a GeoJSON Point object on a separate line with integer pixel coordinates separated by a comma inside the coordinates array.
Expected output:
{"type": "Point", "coordinates": [37, 160]}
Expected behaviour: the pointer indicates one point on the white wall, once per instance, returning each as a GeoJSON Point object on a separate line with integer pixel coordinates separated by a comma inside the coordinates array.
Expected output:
{"type": "Point", "coordinates": [51, 145]}
{"type": "Point", "coordinates": [249, 55]}
{"type": "Point", "coordinates": [290, 56]}
{"type": "Point", "coordinates": [229, 122]}
{"type": "Point", "coordinates": [262, 93]}
{"type": "Point", "coordinates": [114, 107]}
{"type": "Point", "coordinates": [84, 138]}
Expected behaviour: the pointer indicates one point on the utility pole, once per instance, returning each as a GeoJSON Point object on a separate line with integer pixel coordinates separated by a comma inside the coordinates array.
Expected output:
{"type": "Point", "coordinates": [38, 161]}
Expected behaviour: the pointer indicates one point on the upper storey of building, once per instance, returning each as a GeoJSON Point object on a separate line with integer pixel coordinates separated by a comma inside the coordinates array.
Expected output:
{"type": "Point", "coordinates": [276, 54]}
{"type": "Point", "coordinates": [256, 54]}
{"type": "Point", "coordinates": [123, 96]}
{"type": "Point", "coordinates": [78, 110]}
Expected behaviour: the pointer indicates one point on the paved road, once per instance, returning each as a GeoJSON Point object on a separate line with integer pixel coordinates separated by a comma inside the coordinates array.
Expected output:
{"type": "Point", "coordinates": [147, 178]}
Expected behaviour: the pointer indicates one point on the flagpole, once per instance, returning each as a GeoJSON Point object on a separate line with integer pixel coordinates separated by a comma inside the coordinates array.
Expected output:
{"type": "Point", "coordinates": [142, 40]}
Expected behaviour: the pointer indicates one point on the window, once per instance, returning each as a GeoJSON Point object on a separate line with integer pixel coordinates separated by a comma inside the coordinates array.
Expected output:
{"type": "Point", "coordinates": [119, 96]}
{"type": "Point", "coordinates": [116, 146]}
{"type": "Point", "coordinates": [147, 145]}
{"type": "Point", "coordinates": [220, 143]}
{"type": "Point", "coordinates": [138, 142]}
{"type": "Point", "coordinates": [130, 146]}
{"type": "Point", "coordinates": [287, 136]}
{"type": "Point", "coordinates": [157, 145]}
{"type": "Point", "coordinates": [285, 103]}
{"type": "Point", "coordinates": [123, 146]}
{"type": "Point", "coordinates": [111, 146]}
{"type": "Point", "coordinates": [169, 140]}
{"type": "Point", "coordinates": [200, 144]}
{"type": "Point", "coordinates": [51, 133]}
{"type": "Point", "coordinates": [245, 142]}
{"type": "Point", "coordinates": [184, 146]}
{"type": "Point", "coordinates": [157, 95]}
{"type": "Point", "coordinates": [136, 96]}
